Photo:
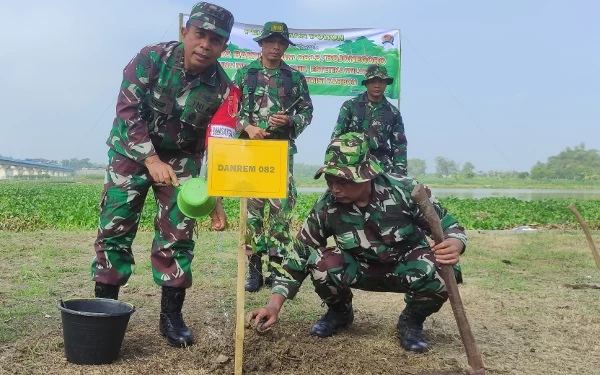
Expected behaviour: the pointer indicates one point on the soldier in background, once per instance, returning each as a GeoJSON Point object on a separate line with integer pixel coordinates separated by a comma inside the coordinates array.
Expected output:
{"type": "Point", "coordinates": [275, 105]}
{"type": "Point", "coordinates": [169, 93]}
{"type": "Point", "coordinates": [371, 114]}
{"type": "Point", "coordinates": [380, 246]}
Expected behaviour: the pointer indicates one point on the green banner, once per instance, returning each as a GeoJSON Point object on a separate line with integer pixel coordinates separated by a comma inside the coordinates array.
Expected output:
{"type": "Point", "coordinates": [333, 61]}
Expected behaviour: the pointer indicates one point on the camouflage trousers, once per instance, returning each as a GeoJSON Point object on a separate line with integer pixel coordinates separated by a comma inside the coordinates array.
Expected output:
{"type": "Point", "coordinates": [273, 236]}
{"type": "Point", "coordinates": [126, 185]}
{"type": "Point", "coordinates": [335, 273]}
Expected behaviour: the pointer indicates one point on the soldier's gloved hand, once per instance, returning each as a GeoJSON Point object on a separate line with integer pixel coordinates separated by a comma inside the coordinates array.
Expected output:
{"type": "Point", "coordinates": [218, 218]}
{"type": "Point", "coordinates": [448, 251]}
{"type": "Point", "coordinates": [279, 120]}
{"type": "Point", "coordinates": [265, 316]}
{"type": "Point", "coordinates": [161, 172]}
{"type": "Point", "coordinates": [254, 132]}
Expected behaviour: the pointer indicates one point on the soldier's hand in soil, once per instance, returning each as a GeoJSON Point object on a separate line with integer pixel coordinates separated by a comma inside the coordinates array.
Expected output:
{"type": "Point", "coordinates": [218, 218]}
{"type": "Point", "coordinates": [278, 120]}
{"type": "Point", "coordinates": [160, 172]}
{"type": "Point", "coordinates": [254, 132]}
{"type": "Point", "coordinates": [448, 251]}
{"type": "Point", "coordinates": [262, 318]}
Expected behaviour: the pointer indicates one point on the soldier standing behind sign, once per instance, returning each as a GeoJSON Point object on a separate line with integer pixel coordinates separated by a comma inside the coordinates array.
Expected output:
{"type": "Point", "coordinates": [371, 114]}
{"type": "Point", "coordinates": [169, 94]}
{"type": "Point", "coordinates": [275, 105]}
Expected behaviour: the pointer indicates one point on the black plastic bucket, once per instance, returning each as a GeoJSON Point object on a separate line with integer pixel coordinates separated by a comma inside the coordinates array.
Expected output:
{"type": "Point", "coordinates": [93, 329]}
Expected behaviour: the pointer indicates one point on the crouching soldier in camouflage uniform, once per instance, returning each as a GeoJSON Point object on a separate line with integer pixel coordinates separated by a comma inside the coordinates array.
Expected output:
{"type": "Point", "coordinates": [275, 105]}
{"type": "Point", "coordinates": [169, 93]}
{"type": "Point", "coordinates": [381, 246]}
{"type": "Point", "coordinates": [370, 113]}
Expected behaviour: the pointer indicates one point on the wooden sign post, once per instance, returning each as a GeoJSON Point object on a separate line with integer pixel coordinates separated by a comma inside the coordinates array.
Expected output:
{"type": "Point", "coordinates": [246, 169]}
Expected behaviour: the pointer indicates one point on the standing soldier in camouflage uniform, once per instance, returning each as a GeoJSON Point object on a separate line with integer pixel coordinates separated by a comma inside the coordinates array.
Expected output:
{"type": "Point", "coordinates": [275, 105]}
{"type": "Point", "coordinates": [371, 114]}
{"type": "Point", "coordinates": [169, 93]}
{"type": "Point", "coordinates": [381, 245]}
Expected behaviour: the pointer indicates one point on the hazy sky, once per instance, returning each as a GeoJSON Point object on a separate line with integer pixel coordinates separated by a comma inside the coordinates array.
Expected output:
{"type": "Point", "coordinates": [501, 84]}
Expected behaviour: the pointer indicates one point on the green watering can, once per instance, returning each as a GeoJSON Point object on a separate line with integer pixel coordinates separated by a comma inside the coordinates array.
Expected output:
{"type": "Point", "coordinates": [193, 199]}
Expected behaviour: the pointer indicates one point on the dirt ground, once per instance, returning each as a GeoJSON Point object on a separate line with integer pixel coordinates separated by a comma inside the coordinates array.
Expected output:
{"type": "Point", "coordinates": [524, 318]}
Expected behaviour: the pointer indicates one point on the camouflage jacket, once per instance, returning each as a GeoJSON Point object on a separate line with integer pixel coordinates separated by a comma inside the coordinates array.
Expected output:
{"type": "Point", "coordinates": [387, 141]}
{"type": "Point", "coordinates": [389, 226]}
{"type": "Point", "coordinates": [267, 101]}
{"type": "Point", "coordinates": [162, 109]}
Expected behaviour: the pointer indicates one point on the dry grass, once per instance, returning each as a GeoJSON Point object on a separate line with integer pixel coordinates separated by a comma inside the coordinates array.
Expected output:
{"type": "Point", "coordinates": [524, 319]}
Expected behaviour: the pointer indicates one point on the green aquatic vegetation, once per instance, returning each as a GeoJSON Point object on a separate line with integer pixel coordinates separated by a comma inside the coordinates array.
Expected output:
{"type": "Point", "coordinates": [74, 206]}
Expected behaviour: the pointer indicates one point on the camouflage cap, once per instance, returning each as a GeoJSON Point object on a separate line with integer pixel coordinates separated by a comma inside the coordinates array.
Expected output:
{"type": "Point", "coordinates": [348, 157]}
{"type": "Point", "coordinates": [378, 71]}
{"type": "Point", "coordinates": [275, 28]}
{"type": "Point", "coordinates": [211, 17]}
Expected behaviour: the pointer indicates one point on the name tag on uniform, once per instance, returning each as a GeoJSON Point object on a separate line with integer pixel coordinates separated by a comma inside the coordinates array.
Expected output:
{"type": "Point", "coordinates": [221, 131]}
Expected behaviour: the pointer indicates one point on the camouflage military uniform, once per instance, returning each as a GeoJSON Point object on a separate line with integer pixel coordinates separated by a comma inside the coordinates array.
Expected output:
{"type": "Point", "coordinates": [387, 140]}
{"type": "Point", "coordinates": [380, 247]}
{"type": "Point", "coordinates": [161, 110]}
{"type": "Point", "coordinates": [268, 101]}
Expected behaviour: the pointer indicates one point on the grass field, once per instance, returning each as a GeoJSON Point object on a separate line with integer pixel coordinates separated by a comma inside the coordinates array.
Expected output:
{"type": "Point", "coordinates": [525, 319]}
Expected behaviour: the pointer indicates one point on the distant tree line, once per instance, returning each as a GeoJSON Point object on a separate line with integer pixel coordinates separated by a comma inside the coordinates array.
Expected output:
{"type": "Point", "coordinates": [80, 164]}
{"type": "Point", "coordinates": [575, 163]}
{"type": "Point", "coordinates": [68, 163]}
{"type": "Point", "coordinates": [443, 168]}
{"type": "Point", "coordinates": [418, 168]}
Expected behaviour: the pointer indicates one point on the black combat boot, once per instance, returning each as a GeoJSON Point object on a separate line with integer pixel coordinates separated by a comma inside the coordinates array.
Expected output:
{"type": "Point", "coordinates": [171, 324]}
{"type": "Point", "coordinates": [255, 277]}
{"type": "Point", "coordinates": [338, 315]}
{"type": "Point", "coordinates": [273, 271]}
{"type": "Point", "coordinates": [106, 291]}
{"type": "Point", "coordinates": [410, 331]}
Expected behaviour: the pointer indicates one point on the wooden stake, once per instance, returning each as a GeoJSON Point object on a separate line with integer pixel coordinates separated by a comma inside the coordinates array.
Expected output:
{"type": "Point", "coordinates": [241, 273]}
{"type": "Point", "coordinates": [446, 271]}
{"type": "Point", "coordinates": [588, 235]}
